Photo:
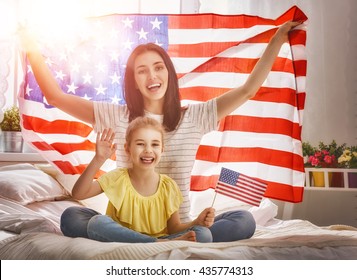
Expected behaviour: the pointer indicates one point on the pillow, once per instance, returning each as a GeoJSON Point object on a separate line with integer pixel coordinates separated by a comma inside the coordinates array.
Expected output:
{"type": "Point", "coordinates": [266, 211]}
{"type": "Point", "coordinates": [24, 184]}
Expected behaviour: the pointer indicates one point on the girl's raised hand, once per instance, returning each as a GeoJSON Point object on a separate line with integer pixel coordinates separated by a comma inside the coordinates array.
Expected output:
{"type": "Point", "coordinates": [104, 144]}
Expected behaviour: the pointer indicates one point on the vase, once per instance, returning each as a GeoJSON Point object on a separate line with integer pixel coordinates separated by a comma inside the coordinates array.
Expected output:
{"type": "Point", "coordinates": [352, 180]}
{"type": "Point", "coordinates": [319, 179]}
{"type": "Point", "coordinates": [337, 180]}
{"type": "Point", "coordinates": [12, 141]}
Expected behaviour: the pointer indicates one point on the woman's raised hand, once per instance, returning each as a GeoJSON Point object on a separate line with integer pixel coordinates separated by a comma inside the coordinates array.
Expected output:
{"type": "Point", "coordinates": [27, 40]}
{"type": "Point", "coordinates": [283, 32]}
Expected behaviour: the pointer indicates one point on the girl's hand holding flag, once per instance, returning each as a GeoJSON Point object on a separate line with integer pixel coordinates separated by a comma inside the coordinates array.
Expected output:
{"type": "Point", "coordinates": [206, 218]}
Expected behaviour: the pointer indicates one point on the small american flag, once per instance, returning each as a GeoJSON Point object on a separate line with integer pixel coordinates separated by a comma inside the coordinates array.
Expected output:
{"type": "Point", "coordinates": [240, 186]}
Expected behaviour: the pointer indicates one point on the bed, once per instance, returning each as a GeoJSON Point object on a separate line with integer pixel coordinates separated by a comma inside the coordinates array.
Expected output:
{"type": "Point", "coordinates": [32, 198]}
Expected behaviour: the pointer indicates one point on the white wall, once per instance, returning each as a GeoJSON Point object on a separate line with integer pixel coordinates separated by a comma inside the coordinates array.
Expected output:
{"type": "Point", "coordinates": [332, 72]}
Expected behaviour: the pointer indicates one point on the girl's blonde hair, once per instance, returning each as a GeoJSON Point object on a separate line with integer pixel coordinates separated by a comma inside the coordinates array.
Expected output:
{"type": "Point", "coordinates": [143, 122]}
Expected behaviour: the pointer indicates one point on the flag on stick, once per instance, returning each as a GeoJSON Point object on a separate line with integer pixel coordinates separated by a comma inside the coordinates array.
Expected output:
{"type": "Point", "coordinates": [241, 187]}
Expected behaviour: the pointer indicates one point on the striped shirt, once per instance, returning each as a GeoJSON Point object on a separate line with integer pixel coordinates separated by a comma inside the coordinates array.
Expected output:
{"type": "Point", "coordinates": [180, 145]}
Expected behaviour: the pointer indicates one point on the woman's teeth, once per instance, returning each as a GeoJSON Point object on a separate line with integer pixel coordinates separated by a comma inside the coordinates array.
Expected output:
{"type": "Point", "coordinates": [153, 86]}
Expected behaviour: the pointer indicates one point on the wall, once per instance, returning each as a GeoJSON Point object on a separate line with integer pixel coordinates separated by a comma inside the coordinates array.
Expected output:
{"type": "Point", "coordinates": [332, 73]}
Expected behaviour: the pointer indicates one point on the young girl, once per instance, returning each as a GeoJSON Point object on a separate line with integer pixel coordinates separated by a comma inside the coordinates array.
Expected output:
{"type": "Point", "coordinates": [143, 204]}
{"type": "Point", "coordinates": [151, 89]}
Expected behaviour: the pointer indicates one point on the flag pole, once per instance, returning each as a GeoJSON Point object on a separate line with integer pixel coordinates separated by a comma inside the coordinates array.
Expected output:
{"type": "Point", "coordinates": [214, 198]}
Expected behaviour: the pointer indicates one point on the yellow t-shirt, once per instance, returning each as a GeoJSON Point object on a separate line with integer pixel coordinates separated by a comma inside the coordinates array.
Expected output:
{"type": "Point", "coordinates": [145, 214]}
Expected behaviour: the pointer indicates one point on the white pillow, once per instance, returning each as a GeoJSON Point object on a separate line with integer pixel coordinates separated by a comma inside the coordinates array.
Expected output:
{"type": "Point", "coordinates": [266, 211]}
{"type": "Point", "coordinates": [24, 184]}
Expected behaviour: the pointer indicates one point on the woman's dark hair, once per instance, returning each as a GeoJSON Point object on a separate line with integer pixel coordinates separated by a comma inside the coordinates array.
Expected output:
{"type": "Point", "coordinates": [133, 97]}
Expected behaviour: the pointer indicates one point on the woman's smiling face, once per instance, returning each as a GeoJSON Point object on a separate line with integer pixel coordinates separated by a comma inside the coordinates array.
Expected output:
{"type": "Point", "coordinates": [151, 77]}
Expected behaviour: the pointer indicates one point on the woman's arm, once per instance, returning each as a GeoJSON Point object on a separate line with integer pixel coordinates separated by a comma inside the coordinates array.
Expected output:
{"type": "Point", "coordinates": [232, 99]}
{"type": "Point", "coordinates": [206, 219]}
{"type": "Point", "coordinates": [73, 105]}
{"type": "Point", "coordinates": [86, 187]}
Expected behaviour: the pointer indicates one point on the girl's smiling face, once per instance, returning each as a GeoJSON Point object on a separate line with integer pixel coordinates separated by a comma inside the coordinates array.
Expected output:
{"type": "Point", "coordinates": [151, 77]}
{"type": "Point", "coordinates": [145, 147]}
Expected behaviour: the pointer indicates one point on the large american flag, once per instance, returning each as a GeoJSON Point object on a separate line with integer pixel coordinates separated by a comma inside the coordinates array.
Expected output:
{"type": "Point", "coordinates": [212, 54]}
{"type": "Point", "coordinates": [241, 187]}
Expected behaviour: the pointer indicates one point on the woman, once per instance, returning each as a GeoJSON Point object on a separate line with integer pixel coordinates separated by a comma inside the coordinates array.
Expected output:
{"type": "Point", "coordinates": [151, 89]}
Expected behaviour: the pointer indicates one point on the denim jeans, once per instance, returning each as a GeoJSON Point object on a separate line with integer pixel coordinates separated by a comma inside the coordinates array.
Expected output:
{"type": "Point", "coordinates": [232, 226]}
{"type": "Point", "coordinates": [79, 222]}
{"type": "Point", "coordinates": [84, 222]}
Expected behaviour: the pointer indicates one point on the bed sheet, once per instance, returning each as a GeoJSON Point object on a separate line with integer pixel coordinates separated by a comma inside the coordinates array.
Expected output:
{"type": "Point", "coordinates": [35, 235]}
{"type": "Point", "coordinates": [36, 217]}
{"type": "Point", "coordinates": [287, 240]}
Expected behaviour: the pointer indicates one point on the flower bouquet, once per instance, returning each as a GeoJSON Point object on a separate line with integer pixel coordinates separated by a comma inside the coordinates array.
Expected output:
{"type": "Point", "coordinates": [348, 159]}
{"type": "Point", "coordinates": [324, 156]}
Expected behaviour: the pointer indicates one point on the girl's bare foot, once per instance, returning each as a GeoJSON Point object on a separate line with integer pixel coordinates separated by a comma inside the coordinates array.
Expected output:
{"type": "Point", "coordinates": [188, 236]}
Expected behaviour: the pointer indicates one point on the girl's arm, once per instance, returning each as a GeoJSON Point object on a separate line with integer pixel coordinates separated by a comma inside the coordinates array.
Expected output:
{"type": "Point", "coordinates": [206, 219]}
{"type": "Point", "coordinates": [73, 105]}
{"type": "Point", "coordinates": [232, 99]}
{"type": "Point", "coordinates": [86, 186]}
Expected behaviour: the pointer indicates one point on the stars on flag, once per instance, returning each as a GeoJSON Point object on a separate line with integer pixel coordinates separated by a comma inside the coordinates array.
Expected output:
{"type": "Point", "coordinates": [156, 23]}
{"type": "Point", "coordinates": [71, 88]}
{"type": "Point", "coordinates": [241, 187]}
{"type": "Point", "coordinates": [115, 78]}
{"type": "Point", "coordinates": [92, 66]}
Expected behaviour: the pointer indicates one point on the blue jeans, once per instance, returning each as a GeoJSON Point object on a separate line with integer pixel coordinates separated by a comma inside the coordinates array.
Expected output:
{"type": "Point", "coordinates": [232, 226]}
{"type": "Point", "coordinates": [85, 222]}
{"type": "Point", "coordinates": [80, 222]}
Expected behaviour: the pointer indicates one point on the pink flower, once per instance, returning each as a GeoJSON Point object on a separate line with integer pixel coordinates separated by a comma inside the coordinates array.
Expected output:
{"type": "Point", "coordinates": [314, 160]}
{"type": "Point", "coordinates": [328, 159]}
{"type": "Point", "coordinates": [318, 154]}
{"type": "Point", "coordinates": [322, 159]}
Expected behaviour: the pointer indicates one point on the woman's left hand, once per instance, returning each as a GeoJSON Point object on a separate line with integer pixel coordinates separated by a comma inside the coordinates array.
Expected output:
{"type": "Point", "coordinates": [284, 30]}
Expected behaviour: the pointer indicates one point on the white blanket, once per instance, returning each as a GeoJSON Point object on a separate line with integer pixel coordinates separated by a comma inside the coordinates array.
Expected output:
{"type": "Point", "coordinates": [36, 235]}
{"type": "Point", "coordinates": [294, 239]}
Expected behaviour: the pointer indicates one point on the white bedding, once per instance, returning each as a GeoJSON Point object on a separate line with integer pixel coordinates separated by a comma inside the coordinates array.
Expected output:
{"type": "Point", "coordinates": [272, 243]}
{"type": "Point", "coordinates": [31, 231]}
{"type": "Point", "coordinates": [35, 235]}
